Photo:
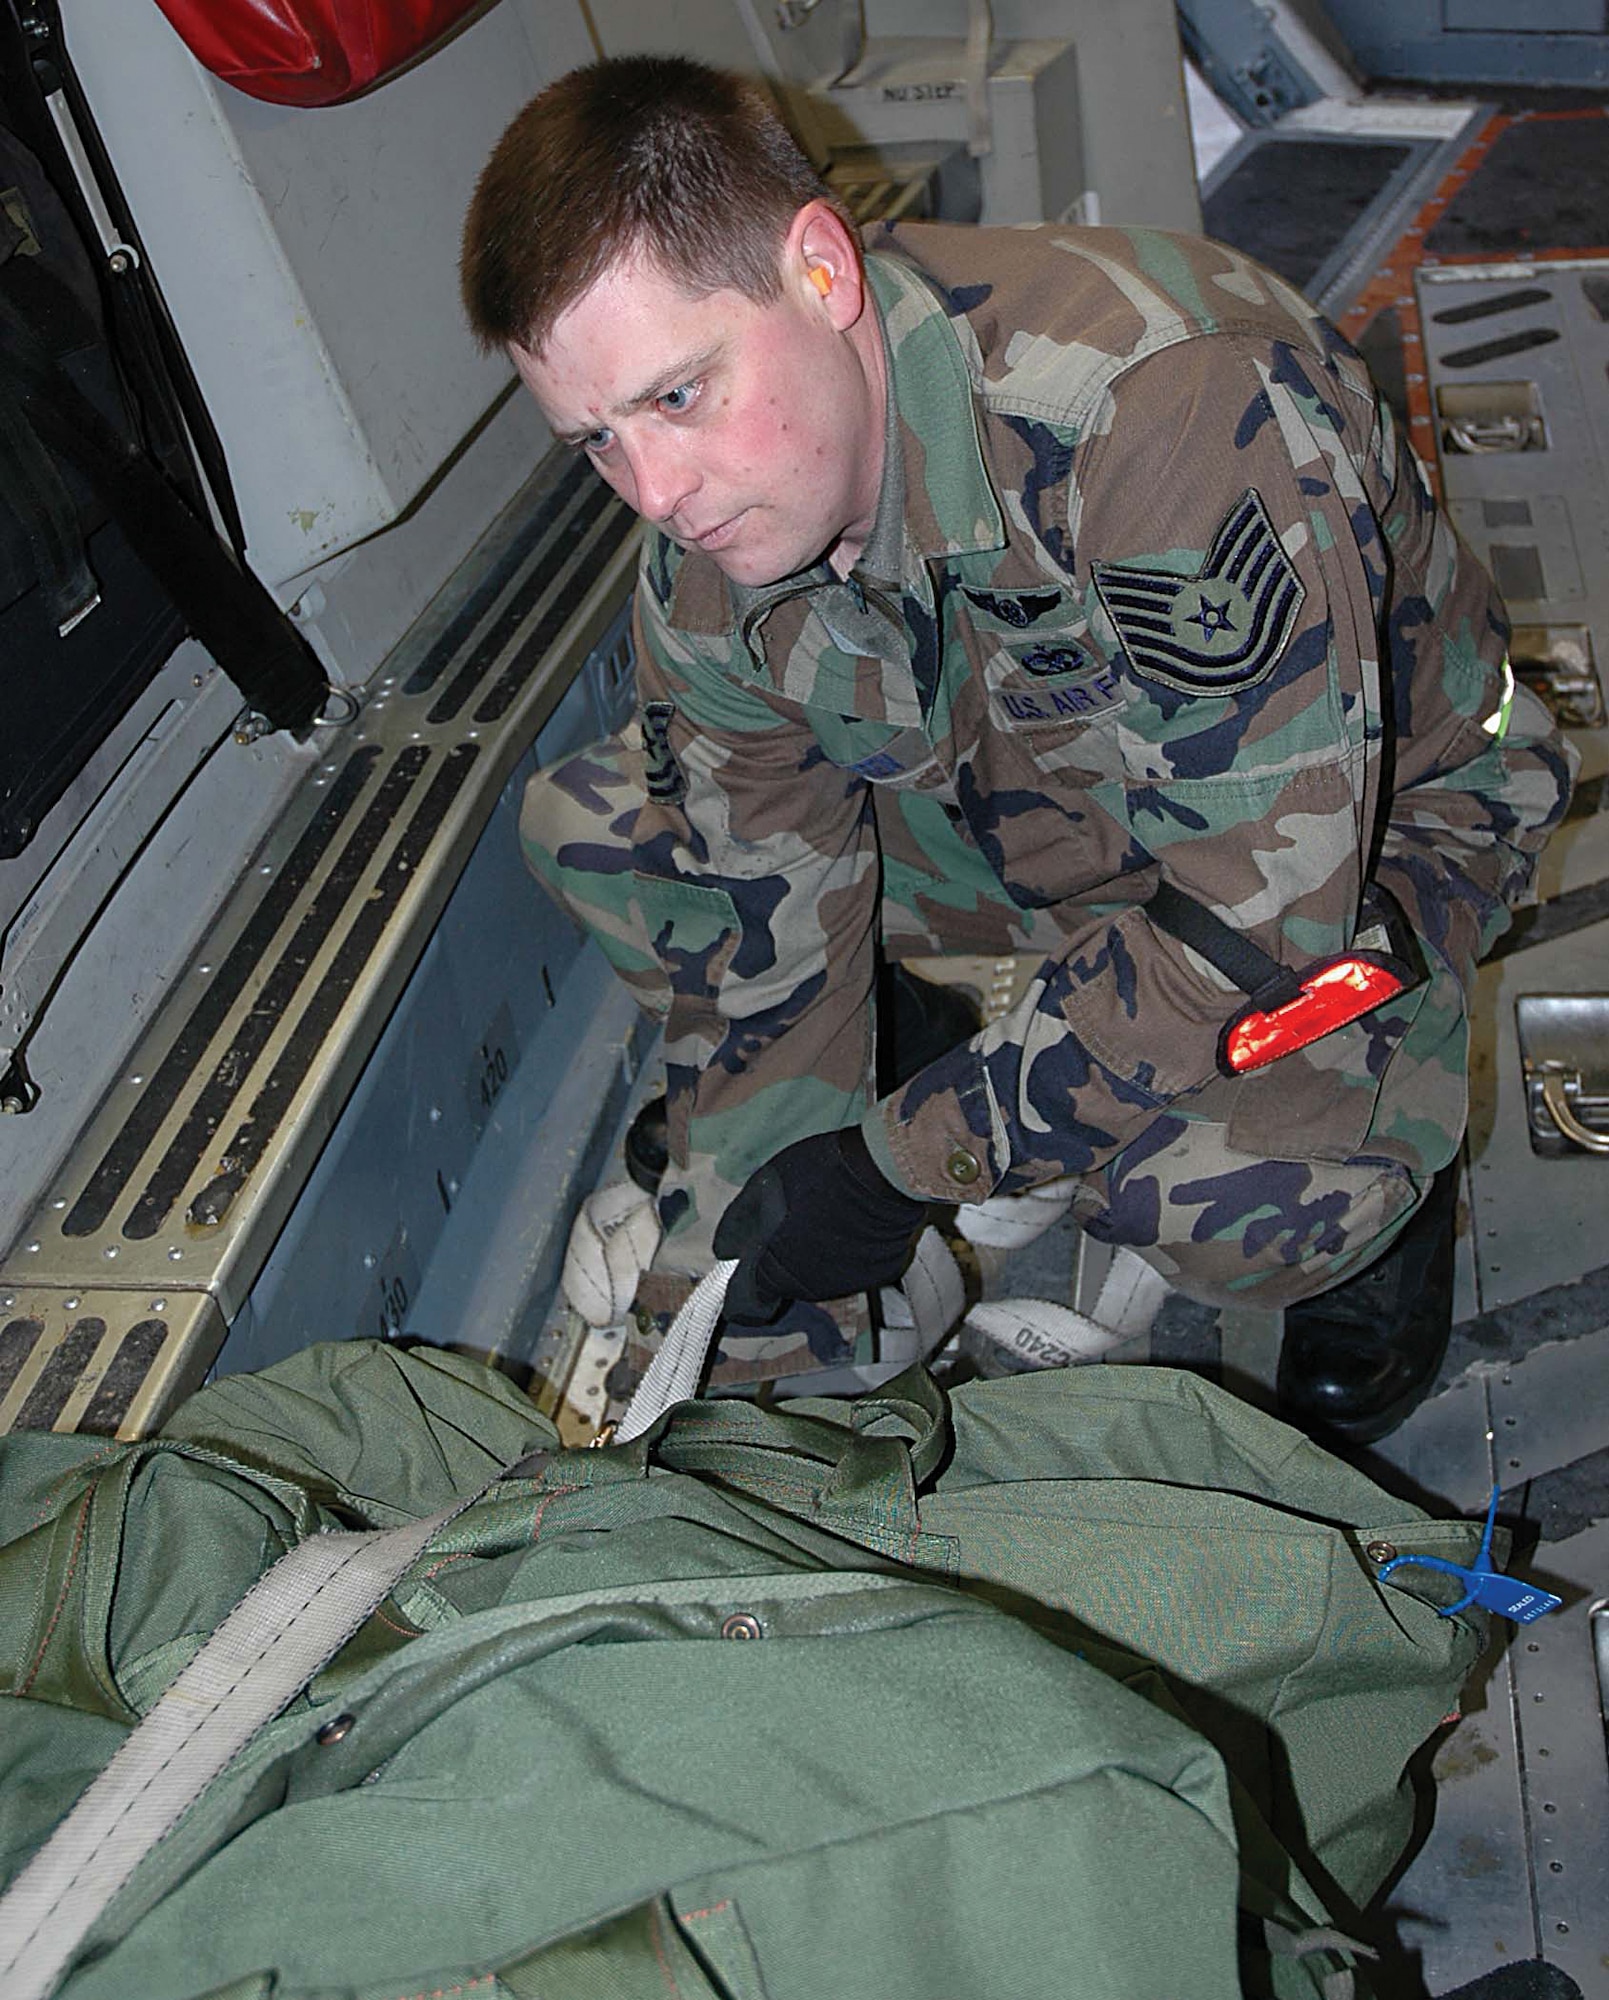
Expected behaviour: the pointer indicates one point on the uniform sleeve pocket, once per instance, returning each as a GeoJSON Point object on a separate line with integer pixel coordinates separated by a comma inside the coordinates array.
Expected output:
{"type": "Point", "coordinates": [694, 931]}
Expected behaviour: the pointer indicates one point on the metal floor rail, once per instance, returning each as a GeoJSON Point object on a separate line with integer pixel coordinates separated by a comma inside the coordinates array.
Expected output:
{"type": "Point", "coordinates": [117, 1295]}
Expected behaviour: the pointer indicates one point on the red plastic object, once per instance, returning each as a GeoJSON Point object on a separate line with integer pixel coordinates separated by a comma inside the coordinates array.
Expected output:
{"type": "Point", "coordinates": [312, 51]}
{"type": "Point", "coordinates": [1336, 993]}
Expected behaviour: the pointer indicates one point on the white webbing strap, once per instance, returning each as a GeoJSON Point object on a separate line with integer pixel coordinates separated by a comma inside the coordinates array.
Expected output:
{"type": "Point", "coordinates": [672, 1376]}
{"type": "Point", "coordinates": [265, 1652]}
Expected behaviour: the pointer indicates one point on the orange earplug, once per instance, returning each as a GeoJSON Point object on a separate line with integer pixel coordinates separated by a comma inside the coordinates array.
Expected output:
{"type": "Point", "coordinates": [821, 278]}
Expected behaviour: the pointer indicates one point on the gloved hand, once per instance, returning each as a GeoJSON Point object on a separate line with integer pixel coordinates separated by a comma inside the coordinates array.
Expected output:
{"type": "Point", "coordinates": [818, 1221]}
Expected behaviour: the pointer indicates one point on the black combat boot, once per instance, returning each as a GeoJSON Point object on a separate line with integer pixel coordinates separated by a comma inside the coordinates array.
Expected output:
{"type": "Point", "coordinates": [647, 1145]}
{"type": "Point", "coordinates": [923, 1021]}
{"type": "Point", "coordinates": [1358, 1359]}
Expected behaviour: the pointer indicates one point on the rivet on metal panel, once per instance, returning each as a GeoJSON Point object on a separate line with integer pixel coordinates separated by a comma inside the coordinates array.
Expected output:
{"type": "Point", "coordinates": [110, 1250]}
{"type": "Point", "coordinates": [33, 1249]}
{"type": "Point", "coordinates": [60, 1201]}
{"type": "Point", "coordinates": [159, 1305]}
{"type": "Point", "coordinates": [175, 1254]}
{"type": "Point", "coordinates": [69, 1305]}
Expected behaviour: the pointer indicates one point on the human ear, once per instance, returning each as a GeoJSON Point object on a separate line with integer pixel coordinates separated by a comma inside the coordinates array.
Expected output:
{"type": "Point", "coordinates": [822, 257]}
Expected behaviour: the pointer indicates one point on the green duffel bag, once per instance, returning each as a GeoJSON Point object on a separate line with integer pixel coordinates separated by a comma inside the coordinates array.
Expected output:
{"type": "Point", "coordinates": [1079, 1683]}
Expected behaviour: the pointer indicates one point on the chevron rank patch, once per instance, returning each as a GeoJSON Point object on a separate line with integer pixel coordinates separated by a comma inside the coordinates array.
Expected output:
{"type": "Point", "coordinates": [665, 780]}
{"type": "Point", "coordinates": [1220, 630]}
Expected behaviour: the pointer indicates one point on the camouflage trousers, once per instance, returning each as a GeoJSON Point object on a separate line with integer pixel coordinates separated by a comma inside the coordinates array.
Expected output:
{"type": "Point", "coordinates": [1217, 1192]}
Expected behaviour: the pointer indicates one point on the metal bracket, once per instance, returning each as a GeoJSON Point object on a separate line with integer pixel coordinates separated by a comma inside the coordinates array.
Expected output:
{"type": "Point", "coordinates": [18, 1091]}
{"type": "Point", "coordinates": [1564, 1047]}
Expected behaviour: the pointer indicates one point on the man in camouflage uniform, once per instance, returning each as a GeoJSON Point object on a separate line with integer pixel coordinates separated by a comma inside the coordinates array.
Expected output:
{"type": "Point", "coordinates": [1109, 575]}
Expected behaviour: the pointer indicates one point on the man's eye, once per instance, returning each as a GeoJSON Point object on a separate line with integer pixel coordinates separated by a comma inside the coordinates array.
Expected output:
{"type": "Point", "coordinates": [598, 440]}
{"type": "Point", "coordinates": [677, 402]}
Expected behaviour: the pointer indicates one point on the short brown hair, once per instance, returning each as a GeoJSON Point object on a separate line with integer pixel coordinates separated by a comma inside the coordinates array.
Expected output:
{"type": "Point", "coordinates": [687, 165]}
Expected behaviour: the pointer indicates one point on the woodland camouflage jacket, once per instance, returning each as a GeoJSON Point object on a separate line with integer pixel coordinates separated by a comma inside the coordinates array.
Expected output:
{"type": "Point", "coordinates": [1153, 586]}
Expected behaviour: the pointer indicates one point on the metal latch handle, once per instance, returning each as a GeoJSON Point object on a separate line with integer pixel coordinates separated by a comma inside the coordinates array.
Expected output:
{"type": "Point", "coordinates": [1487, 434]}
{"type": "Point", "coordinates": [1556, 1082]}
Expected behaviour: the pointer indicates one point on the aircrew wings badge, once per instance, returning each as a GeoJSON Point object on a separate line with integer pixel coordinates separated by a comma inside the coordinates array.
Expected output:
{"type": "Point", "coordinates": [1220, 630]}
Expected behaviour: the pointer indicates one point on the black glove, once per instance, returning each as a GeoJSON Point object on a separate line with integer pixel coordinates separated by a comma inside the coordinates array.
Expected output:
{"type": "Point", "coordinates": [817, 1222]}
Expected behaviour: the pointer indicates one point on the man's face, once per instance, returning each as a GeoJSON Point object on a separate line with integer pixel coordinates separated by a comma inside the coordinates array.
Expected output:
{"type": "Point", "coordinates": [749, 431]}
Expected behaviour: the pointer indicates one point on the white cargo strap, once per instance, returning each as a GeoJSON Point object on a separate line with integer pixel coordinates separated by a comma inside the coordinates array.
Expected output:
{"type": "Point", "coordinates": [1131, 1295]}
{"type": "Point", "coordinates": [1041, 1335]}
{"type": "Point", "coordinates": [292, 1620]}
{"type": "Point", "coordinates": [612, 1242]}
{"type": "Point", "coordinates": [1009, 1221]}
{"type": "Point", "coordinates": [672, 1376]}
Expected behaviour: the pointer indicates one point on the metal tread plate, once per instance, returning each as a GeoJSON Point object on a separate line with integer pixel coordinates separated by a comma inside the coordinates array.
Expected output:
{"type": "Point", "coordinates": [1516, 1866]}
{"type": "Point", "coordinates": [185, 1175]}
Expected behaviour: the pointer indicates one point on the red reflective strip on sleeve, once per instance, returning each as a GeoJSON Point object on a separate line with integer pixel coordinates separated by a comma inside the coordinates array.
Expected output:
{"type": "Point", "coordinates": [1332, 996]}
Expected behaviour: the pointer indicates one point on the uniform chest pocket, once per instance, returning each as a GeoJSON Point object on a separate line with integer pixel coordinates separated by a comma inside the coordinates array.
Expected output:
{"type": "Point", "coordinates": [1053, 706]}
{"type": "Point", "coordinates": [884, 754]}
{"type": "Point", "coordinates": [694, 930]}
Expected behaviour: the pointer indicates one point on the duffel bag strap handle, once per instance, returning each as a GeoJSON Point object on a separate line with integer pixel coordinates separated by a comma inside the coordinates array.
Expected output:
{"type": "Point", "coordinates": [866, 1476]}
{"type": "Point", "coordinates": [287, 1626]}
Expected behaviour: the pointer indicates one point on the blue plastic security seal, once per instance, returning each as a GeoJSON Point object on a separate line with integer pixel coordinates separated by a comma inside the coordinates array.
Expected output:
{"type": "Point", "coordinates": [1483, 1585]}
